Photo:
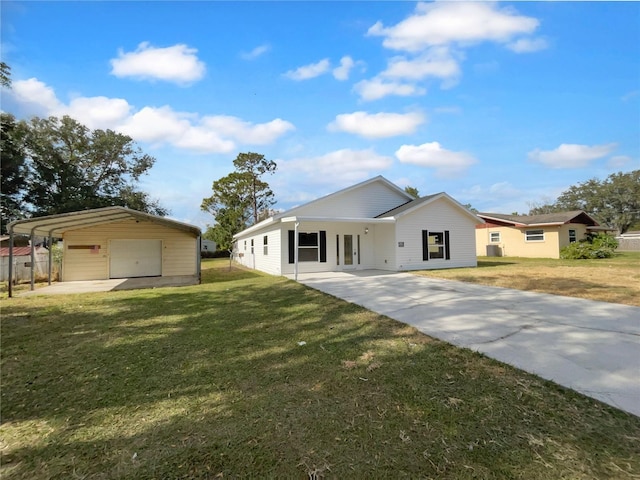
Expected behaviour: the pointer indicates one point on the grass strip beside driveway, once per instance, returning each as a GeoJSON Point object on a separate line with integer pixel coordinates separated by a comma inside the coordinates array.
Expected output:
{"type": "Point", "coordinates": [615, 280]}
{"type": "Point", "coordinates": [250, 375]}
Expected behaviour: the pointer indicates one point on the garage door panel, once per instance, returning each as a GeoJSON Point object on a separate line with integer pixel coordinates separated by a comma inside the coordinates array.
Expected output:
{"type": "Point", "coordinates": [135, 258]}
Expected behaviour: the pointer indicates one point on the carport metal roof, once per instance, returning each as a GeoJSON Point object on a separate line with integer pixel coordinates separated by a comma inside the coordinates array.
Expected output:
{"type": "Point", "coordinates": [57, 225]}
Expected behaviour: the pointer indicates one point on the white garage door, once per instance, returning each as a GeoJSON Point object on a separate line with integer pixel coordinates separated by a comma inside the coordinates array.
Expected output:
{"type": "Point", "coordinates": [135, 258]}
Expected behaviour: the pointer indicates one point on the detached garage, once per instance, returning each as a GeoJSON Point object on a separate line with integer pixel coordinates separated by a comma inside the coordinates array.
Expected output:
{"type": "Point", "coordinates": [117, 242]}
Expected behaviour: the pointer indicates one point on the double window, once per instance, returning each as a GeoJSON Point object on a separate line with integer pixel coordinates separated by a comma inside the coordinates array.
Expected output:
{"type": "Point", "coordinates": [534, 235]}
{"type": "Point", "coordinates": [435, 245]}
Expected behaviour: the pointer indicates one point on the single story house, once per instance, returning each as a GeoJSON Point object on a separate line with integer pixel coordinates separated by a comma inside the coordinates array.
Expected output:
{"type": "Point", "coordinates": [208, 246]}
{"type": "Point", "coordinates": [535, 236]}
{"type": "Point", "coordinates": [117, 242]}
{"type": "Point", "coordinates": [372, 225]}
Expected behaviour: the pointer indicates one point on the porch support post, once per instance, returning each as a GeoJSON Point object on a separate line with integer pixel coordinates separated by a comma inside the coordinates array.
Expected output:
{"type": "Point", "coordinates": [10, 273]}
{"type": "Point", "coordinates": [295, 251]}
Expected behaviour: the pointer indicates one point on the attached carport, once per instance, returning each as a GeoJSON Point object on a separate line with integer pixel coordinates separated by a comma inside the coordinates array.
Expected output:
{"type": "Point", "coordinates": [114, 242]}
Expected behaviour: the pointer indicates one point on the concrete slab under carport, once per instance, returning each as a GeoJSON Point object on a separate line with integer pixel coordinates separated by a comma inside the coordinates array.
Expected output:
{"type": "Point", "coordinates": [591, 347]}
{"type": "Point", "coordinates": [112, 284]}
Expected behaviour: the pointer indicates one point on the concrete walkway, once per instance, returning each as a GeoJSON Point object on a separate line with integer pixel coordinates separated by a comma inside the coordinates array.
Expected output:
{"type": "Point", "coordinates": [87, 286]}
{"type": "Point", "coordinates": [592, 347]}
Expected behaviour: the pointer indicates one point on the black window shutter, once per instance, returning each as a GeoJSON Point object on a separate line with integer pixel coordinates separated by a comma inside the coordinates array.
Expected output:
{"type": "Point", "coordinates": [425, 245]}
{"type": "Point", "coordinates": [292, 246]}
{"type": "Point", "coordinates": [323, 246]}
{"type": "Point", "coordinates": [447, 250]}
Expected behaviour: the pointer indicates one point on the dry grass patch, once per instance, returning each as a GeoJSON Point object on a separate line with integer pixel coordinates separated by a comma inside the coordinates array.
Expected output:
{"type": "Point", "coordinates": [213, 381]}
{"type": "Point", "coordinates": [615, 280]}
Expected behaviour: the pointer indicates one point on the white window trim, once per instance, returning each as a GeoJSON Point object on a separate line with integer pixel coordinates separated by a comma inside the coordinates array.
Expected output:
{"type": "Point", "coordinates": [317, 247]}
{"type": "Point", "coordinates": [491, 240]}
{"type": "Point", "coordinates": [526, 235]}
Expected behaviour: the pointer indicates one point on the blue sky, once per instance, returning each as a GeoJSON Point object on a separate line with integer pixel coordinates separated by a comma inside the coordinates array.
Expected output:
{"type": "Point", "coordinates": [498, 104]}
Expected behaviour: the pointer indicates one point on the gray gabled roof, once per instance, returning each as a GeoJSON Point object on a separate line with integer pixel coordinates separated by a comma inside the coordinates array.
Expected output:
{"type": "Point", "coordinates": [56, 225]}
{"type": "Point", "coordinates": [418, 202]}
{"type": "Point", "coordinates": [559, 218]}
{"type": "Point", "coordinates": [407, 206]}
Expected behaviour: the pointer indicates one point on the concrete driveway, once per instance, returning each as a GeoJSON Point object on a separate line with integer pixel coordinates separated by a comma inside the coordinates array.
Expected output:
{"type": "Point", "coordinates": [592, 347]}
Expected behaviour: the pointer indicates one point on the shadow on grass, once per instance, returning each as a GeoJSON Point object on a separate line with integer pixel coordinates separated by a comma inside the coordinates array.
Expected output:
{"type": "Point", "coordinates": [211, 380]}
{"type": "Point", "coordinates": [493, 263]}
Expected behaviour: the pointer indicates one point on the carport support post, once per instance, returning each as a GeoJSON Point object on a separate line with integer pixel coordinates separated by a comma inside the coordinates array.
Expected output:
{"type": "Point", "coordinates": [199, 259]}
{"type": "Point", "coordinates": [33, 259]}
{"type": "Point", "coordinates": [10, 273]}
{"type": "Point", "coordinates": [295, 251]}
{"type": "Point", "coordinates": [50, 257]}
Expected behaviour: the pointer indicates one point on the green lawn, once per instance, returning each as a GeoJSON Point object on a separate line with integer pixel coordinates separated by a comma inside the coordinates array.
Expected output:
{"type": "Point", "coordinates": [210, 381]}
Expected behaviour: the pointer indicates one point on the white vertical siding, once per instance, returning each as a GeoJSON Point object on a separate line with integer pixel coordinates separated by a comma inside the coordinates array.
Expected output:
{"type": "Point", "coordinates": [437, 216]}
{"type": "Point", "coordinates": [180, 254]}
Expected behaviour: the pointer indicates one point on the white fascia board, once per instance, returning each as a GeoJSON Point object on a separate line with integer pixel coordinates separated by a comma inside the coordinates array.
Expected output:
{"type": "Point", "coordinates": [337, 219]}
{"type": "Point", "coordinates": [547, 224]}
{"type": "Point", "coordinates": [257, 226]}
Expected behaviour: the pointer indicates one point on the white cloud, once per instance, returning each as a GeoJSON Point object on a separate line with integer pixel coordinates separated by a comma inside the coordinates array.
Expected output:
{"type": "Point", "coordinates": [342, 72]}
{"type": "Point", "coordinates": [619, 161]}
{"type": "Point", "coordinates": [353, 165]}
{"type": "Point", "coordinates": [377, 125]}
{"type": "Point", "coordinates": [377, 88]}
{"type": "Point", "coordinates": [247, 132]}
{"type": "Point", "coordinates": [527, 45]}
{"type": "Point", "coordinates": [571, 155]}
{"type": "Point", "coordinates": [436, 62]}
{"type": "Point", "coordinates": [431, 155]}
{"type": "Point", "coordinates": [256, 52]}
{"type": "Point", "coordinates": [35, 94]}
{"type": "Point", "coordinates": [155, 125]}
{"type": "Point", "coordinates": [443, 23]}
{"type": "Point", "coordinates": [178, 64]}
{"type": "Point", "coordinates": [309, 71]}
{"type": "Point", "coordinates": [97, 112]}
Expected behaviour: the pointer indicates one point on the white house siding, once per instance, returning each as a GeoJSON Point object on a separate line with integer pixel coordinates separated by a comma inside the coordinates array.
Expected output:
{"type": "Point", "coordinates": [367, 201]}
{"type": "Point", "coordinates": [179, 249]}
{"type": "Point", "coordinates": [437, 216]}
{"type": "Point", "coordinates": [269, 263]}
{"type": "Point", "coordinates": [385, 246]}
{"type": "Point", "coordinates": [366, 253]}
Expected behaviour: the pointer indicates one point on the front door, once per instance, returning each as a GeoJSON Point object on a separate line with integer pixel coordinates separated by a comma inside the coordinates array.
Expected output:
{"type": "Point", "coordinates": [350, 252]}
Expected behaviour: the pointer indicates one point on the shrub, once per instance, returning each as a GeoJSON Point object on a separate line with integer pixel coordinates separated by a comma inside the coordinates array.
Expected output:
{"type": "Point", "coordinates": [601, 245]}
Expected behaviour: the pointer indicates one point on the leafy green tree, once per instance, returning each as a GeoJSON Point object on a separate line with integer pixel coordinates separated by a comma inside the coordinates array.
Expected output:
{"type": "Point", "coordinates": [5, 75]}
{"type": "Point", "coordinates": [256, 166]}
{"type": "Point", "coordinates": [469, 207]}
{"type": "Point", "coordinates": [413, 191]}
{"type": "Point", "coordinates": [13, 169]}
{"type": "Point", "coordinates": [614, 201]}
{"type": "Point", "coordinates": [239, 199]}
{"type": "Point", "coordinates": [73, 168]}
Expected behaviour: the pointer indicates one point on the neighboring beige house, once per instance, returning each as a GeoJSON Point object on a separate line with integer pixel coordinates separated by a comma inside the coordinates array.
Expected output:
{"type": "Point", "coordinates": [117, 242]}
{"type": "Point", "coordinates": [535, 236]}
{"type": "Point", "coordinates": [371, 225]}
